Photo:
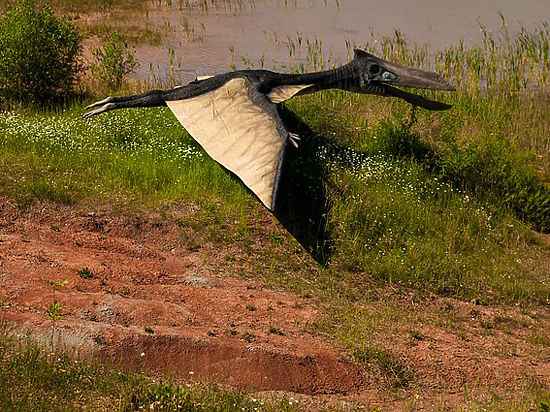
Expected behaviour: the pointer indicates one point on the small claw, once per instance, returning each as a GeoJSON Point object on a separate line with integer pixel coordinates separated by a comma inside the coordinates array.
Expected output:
{"type": "Point", "coordinates": [99, 110]}
{"type": "Point", "coordinates": [294, 139]}
{"type": "Point", "coordinates": [100, 103]}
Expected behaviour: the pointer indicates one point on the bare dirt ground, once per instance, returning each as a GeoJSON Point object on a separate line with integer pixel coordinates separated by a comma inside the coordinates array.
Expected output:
{"type": "Point", "coordinates": [155, 304]}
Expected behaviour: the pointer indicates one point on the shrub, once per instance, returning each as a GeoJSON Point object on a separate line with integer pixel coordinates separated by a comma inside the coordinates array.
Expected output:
{"type": "Point", "coordinates": [114, 62]}
{"type": "Point", "coordinates": [39, 54]}
{"type": "Point", "coordinates": [492, 170]}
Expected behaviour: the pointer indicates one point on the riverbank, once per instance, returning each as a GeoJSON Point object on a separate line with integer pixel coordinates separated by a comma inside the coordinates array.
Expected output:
{"type": "Point", "coordinates": [409, 267]}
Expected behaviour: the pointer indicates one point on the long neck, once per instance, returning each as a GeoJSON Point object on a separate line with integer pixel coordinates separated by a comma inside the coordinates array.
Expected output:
{"type": "Point", "coordinates": [339, 78]}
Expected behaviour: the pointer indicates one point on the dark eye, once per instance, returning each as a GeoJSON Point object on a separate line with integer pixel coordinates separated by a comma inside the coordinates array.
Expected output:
{"type": "Point", "coordinates": [374, 69]}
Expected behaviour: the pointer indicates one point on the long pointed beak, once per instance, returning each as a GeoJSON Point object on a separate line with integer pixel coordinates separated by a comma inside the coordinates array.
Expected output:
{"type": "Point", "coordinates": [419, 79]}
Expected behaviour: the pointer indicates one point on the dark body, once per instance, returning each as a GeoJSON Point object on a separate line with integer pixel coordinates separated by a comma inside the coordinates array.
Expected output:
{"type": "Point", "coordinates": [364, 74]}
{"type": "Point", "coordinates": [234, 116]}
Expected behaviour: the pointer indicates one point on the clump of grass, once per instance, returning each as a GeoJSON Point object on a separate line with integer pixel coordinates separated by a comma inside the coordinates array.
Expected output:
{"type": "Point", "coordinates": [275, 330]}
{"type": "Point", "coordinates": [248, 337]}
{"type": "Point", "coordinates": [417, 335]}
{"type": "Point", "coordinates": [85, 273]}
{"type": "Point", "coordinates": [54, 311]}
{"type": "Point", "coordinates": [399, 375]}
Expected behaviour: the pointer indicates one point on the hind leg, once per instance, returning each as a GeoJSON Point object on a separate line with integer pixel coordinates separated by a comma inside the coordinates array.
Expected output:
{"type": "Point", "coordinates": [150, 99]}
{"type": "Point", "coordinates": [101, 107]}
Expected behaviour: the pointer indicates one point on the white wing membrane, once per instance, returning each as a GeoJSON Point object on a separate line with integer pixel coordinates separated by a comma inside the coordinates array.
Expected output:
{"type": "Point", "coordinates": [238, 133]}
{"type": "Point", "coordinates": [282, 93]}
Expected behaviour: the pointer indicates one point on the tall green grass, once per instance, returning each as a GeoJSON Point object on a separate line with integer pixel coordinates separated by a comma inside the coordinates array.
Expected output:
{"type": "Point", "coordinates": [140, 155]}
{"type": "Point", "coordinates": [502, 82]}
{"type": "Point", "coordinates": [399, 212]}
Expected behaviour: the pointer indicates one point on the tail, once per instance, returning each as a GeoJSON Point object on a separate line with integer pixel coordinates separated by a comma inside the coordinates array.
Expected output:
{"type": "Point", "coordinates": [153, 98]}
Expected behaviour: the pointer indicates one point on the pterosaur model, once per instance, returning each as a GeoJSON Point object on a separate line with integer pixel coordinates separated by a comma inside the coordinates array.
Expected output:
{"type": "Point", "coordinates": [234, 117]}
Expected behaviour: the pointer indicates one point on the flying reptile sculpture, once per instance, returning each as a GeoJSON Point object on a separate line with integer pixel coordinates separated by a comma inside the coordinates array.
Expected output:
{"type": "Point", "coordinates": [234, 117]}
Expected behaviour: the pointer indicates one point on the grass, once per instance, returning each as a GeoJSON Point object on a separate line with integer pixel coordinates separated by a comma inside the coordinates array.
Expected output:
{"type": "Point", "coordinates": [85, 273]}
{"type": "Point", "coordinates": [452, 203]}
{"type": "Point", "coordinates": [535, 400]}
{"type": "Point", "coordinates": [399, 376]}
{"type": "Point", "coordinates": [394, 208]}
{"type": "Point", "coordinates": [50, 380]}
{"type": "Point", "coordinates": [61, 158]}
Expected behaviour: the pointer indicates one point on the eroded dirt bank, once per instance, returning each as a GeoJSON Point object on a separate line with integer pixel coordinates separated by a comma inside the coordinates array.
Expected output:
{"type": "Point", "coordinates": [154, 303]}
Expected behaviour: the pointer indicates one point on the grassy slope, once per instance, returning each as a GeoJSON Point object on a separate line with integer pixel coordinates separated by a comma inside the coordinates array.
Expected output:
{"type": "Point", "coordinates": [394, 215]}
{"type": "Point", "coordinates": [445, 205]}
{"type": "Point", "coordinates": [400, 210]}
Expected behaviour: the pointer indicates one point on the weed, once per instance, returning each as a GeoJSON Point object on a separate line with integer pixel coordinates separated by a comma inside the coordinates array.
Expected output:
{"type": "Point", "coordinates": [249, 337]}
{"type": "Point", "coordinates": [540, 339]}
{"type": "Point", "coordinates": [54, 311]}
{"type": "Point", "coordinates": [58, 284]}
{"type": "Point", "coordinates": [417, 335]}
{"type": "Point", "coordinates": [114, 62]}
{"type": "Point", "coordinates": [85, 273]}
{"type": "Point", "coordinates": [399, 375]}
{"type": "Point", "coordinates": [277, 239]}
{"type": "Point", "coordinates": [250, 307]}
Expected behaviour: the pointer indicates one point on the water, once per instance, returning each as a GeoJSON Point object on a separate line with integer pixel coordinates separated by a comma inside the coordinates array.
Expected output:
{"type": "Point", "coordinates": [215, 40]}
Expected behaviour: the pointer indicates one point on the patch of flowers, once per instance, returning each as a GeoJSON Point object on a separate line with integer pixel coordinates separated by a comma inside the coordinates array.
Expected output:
{"type": "Point", "coordinates": [150, 131]}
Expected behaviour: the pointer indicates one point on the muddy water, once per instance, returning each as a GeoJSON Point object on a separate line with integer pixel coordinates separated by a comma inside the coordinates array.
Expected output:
{"type": "Point", "coordinates": [213, 39]}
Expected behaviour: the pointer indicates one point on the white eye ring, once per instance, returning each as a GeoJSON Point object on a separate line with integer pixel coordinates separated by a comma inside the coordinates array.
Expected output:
{"type": "Point", "coordinates": [387, 76]}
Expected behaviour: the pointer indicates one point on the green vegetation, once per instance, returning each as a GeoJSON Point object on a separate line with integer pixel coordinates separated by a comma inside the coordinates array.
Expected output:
{"type": "Point", "coordinates": [398, 374]}
{"type": "Point", "coordinates": [451, 203]}
{"type": "Point", "coordinates": [85, 273]}
{"type": "Point", "coordinates": [114, 62]}
{"type": "Point", "coordinates": [54, 311]}
{"type": "Point", "coordinates": [141, 155]}
{"type": "Point", "coordinates": [49, 380]}
{"type": "Point", "coordinates": [39, 60]}
{"type": "Point", "coordinates": [447, 203]}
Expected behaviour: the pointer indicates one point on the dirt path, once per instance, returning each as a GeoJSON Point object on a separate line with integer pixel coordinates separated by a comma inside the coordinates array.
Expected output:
{"type": "Point", "coordinates": [154, 304]}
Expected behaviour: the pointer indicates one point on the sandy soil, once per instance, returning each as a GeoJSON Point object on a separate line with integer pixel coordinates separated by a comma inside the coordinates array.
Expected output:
{"type": "Point", "coordinates": [155, 304]}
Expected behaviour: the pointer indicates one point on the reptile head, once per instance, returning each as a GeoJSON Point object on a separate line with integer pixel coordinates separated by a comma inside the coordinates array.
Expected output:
{"type": "Point", "coordinates": [381, 77]}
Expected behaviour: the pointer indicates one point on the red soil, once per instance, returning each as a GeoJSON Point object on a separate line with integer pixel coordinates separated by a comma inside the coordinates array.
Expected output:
{"type": "Point", "coordinates": [153, 304]}
{"type": "Point", "coordinates": [153, 307]}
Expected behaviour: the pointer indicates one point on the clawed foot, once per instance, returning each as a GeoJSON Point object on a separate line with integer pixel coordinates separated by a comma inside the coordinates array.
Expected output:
{"type": "Point", "coordinates": [101, 106]}
{"type": "Point", "coordinates": [101, 102]}
{"type": "Point", "coordinates": [294, 139]}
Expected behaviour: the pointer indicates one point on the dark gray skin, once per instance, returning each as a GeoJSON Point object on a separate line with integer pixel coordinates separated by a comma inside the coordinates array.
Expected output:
{"type": "Point", "coordinates": [364, 74]}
